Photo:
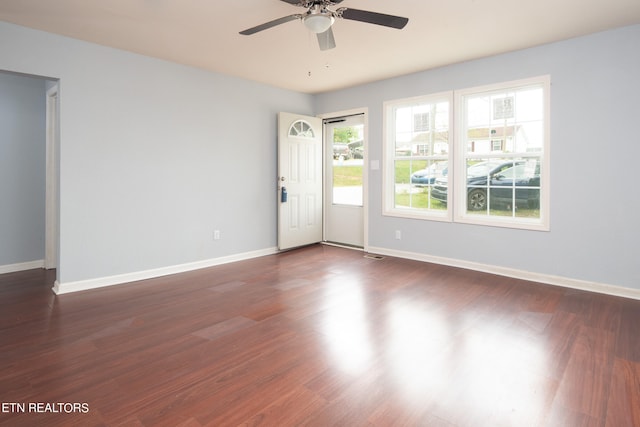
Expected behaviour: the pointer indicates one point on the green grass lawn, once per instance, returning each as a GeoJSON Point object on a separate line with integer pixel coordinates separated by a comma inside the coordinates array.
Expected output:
{"type": "Point", "coordinates": [347, 175]}
{"type": "Point", "coordinates": [404, 169]}
{"type": "Point", "coordinates": [418, 200]}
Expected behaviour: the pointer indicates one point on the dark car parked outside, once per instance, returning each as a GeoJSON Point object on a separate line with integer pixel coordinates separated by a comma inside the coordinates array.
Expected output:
{"type": "Point", "coordinates": [429, 175]}
{"type": "Point", "coordinates": [499, 179]}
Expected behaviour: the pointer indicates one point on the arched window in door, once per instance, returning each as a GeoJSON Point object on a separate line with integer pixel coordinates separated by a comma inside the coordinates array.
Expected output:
{"type": "Point", "coordinates": [301, 129]}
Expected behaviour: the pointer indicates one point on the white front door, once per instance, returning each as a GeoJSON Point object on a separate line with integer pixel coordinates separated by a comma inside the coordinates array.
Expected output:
{"type": "Point", "coordinates": [344, 180]}
{"type": "Point", "coordinates": [299, 180]}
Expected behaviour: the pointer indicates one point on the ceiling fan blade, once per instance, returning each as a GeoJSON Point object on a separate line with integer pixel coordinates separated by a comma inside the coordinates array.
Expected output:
{"type": "Point", "coordinates": [374, 18]}
{"type": "Point", "coordinates": [307, 4]}
{"type": "Point", "coordinates": [326, 40]}
{"type": "Point", "coordinates": [270, 24]}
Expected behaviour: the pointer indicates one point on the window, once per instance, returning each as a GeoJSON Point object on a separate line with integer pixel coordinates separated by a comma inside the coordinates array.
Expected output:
{"type": "Point", "coordinates": [502, 153]}
{"type": "Point", "coordinates": [346, 171]}
{"type": "Point", "coordinates": [417, 151]}
{"type": "Point", "coordinates": [496, 172]}
{"type": "Point", "coordinates": [301, 129]}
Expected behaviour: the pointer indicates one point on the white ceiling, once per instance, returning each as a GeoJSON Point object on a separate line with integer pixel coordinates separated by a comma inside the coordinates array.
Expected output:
{"type": "Point", "coordinates": [204, 33]}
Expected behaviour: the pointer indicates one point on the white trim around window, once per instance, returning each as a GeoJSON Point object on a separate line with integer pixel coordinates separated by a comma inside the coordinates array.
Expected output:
{"type": "Point", "coordinates": [435, 144]}
{"type": "Point", "coordinates": [515, 118]}
{"type": "Point", "coordinates": [418, 139]}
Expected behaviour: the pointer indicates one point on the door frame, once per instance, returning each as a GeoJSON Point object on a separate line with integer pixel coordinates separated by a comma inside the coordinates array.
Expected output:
{"type": "Point", "coordinates": [51, 202]}
{"type": "Point", "coordinates": [364, 111]}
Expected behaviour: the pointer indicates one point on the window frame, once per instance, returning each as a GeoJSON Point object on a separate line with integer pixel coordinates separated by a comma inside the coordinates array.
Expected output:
{"type": "Point", "coordinates": [459, 188]}
{"type": "Point", "coordinates": [456, 210]}
{"type": "Point", "coordinates": [389, 156]}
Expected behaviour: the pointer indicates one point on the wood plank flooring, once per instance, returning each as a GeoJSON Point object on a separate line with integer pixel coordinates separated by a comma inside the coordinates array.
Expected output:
{"type": "Point", "coordinates": [319, 336]}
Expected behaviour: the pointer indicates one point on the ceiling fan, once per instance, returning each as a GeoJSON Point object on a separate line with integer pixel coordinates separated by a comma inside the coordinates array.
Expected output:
{"type": "Point", "coordinates": [319, 19]}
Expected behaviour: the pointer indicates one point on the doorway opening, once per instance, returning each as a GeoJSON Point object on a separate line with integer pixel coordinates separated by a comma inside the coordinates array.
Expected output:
{"type": "Point", "coordinates": [345, 181]}
{"type": "Point", "coordinates": [29, 153]}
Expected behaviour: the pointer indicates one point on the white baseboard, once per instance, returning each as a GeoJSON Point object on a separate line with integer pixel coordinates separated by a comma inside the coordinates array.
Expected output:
{"type": "Point", "coordinates": [63, 288]}
{"type": "Point", "coordinates": [83, 285]}
{"type": "Point", "coordinates": [548, 279]}
{"type": "Point", "coordinates": [10, 268]}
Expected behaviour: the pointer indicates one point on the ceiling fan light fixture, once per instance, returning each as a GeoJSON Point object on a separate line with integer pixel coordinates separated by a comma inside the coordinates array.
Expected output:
{"type": "Point", "coordinates": [319, 22]}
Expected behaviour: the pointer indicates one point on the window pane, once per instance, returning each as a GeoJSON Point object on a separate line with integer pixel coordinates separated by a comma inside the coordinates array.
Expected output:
{"type": "Point", "coordinates": [530, 104]}
{"type": "Point", "coordinates": [403, 131]}
{"type": "Point", "coordinates": [503, 187]}
{"type": "Point", "coordinates": [406, 195]}
{"type": "Point", "coordinates": [422, 130]}
{"type": "Point", "coordinates": [423, 180]}
{"type": "Point", "coordinates": [530, 137]}
{"type": "Point", "coordinates": [478, 111]}
{"type": "Point", "coordinates": [348, 150]}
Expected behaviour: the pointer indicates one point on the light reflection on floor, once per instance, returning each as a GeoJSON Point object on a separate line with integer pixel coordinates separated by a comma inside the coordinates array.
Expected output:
{"type": "Point", "coordinates": [483, 365]}
{"type": "Point", "coordinates": [501, 370]}
{"type": "Point", "coordinates": [346, 328]}
{"type": "Point", "coordinates": [414, 348]}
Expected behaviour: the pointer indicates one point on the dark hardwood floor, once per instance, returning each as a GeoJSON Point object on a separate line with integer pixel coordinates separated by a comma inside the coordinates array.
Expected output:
{"type": "Point", "coordinates": [319, 336]}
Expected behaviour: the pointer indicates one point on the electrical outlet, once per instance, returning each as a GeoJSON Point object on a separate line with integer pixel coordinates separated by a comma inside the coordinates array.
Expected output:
{"type": "Point", "coordinates": [216, 234]}
{"type": "Point", "coordinates": [398, 234]}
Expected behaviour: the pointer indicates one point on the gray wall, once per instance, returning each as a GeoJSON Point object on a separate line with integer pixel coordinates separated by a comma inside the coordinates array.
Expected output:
{"type": "Point", "coordinates": [595, 150]}
{"type": "Point", "coordinates": [22, 169]}
{"type": "Point", "coordinates": [154, 156]}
